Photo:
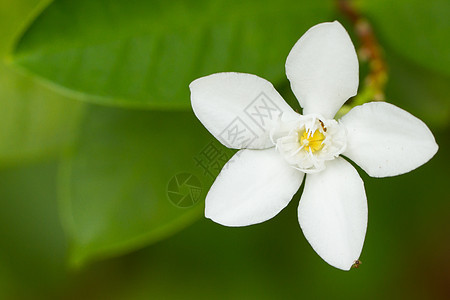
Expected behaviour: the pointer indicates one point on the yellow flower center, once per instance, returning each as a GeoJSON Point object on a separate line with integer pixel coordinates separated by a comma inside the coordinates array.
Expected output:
{"type": "Point", "coordinates": [312, 142]}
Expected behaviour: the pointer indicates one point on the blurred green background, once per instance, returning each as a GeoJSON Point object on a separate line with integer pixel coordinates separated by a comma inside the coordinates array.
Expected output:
{"type": "Point", "coordinates": [95, 120]}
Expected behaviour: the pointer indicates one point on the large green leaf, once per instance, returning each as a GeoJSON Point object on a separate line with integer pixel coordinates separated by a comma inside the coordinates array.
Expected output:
{"type": "Point", "coordinates": [416, 29]}
{"type": "Point", "coordinates": [32, 244]}
{"type": "Point", "coordinates": [146, 52]}
{"type": "Point", "coordinates": [34, 121]}
{"type": "Point", "coordinates": [115, 186]}
{"type": "Point", "coordinates": [423, 93]}
{"type": "Point", "coordinates": [405, 253]}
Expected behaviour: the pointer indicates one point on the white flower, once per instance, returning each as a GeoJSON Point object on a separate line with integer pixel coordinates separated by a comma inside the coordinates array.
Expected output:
{"type": "Point", "coordinates": [279, 146]}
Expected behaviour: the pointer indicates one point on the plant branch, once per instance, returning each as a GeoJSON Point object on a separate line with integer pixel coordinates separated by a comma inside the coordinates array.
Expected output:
{"type": "Point", "coordinates": [370, 52]}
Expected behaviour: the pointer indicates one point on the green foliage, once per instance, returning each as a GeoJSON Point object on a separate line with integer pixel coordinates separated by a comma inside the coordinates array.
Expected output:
{"type": "Point", "coordinates": [415, 29]}
{"type": "Point", "coordinates": [118, 162]}
{"type": "Point", "coordinates": [34, 122]}
{"type": "Point", "coordinates": [421, 92]}
{"type": "Point", "coordinates": [115, 184]}
{"type": "Point", "coordinates": [145, 53]}
{"type": "Point", "coordinates": [32, 244]}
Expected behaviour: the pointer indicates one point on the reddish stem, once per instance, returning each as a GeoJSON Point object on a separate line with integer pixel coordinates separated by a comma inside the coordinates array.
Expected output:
{"type": "Point", "coordinates": [369, 49]}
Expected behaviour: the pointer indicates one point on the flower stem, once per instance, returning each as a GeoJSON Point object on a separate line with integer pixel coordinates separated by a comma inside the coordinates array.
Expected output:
{"type": "Point", "coordinates": [369, 52]}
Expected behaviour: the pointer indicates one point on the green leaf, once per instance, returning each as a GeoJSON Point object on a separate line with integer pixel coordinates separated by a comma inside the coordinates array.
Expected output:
{"type": "Point", "coordinates": [32, 244]}
{"type": "Point", "coordinates": [416, 29]}
{"type": "Point", "coordinates": [115, 186]}
{"type": "Point", "coordinates": [140, 53]}
{"type": "Point", "coordinates": [419, 91]}
{"type": "Point", "coordinates": [13, 15]}
{"type": "Point", "coordinates": [34, 121]}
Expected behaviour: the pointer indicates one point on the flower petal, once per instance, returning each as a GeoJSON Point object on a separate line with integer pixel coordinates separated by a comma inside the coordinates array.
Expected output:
{"type": "Point", "coordinates": [254, 186]}
{"type": "Point", "coordinates": [385, 140]}
{"type": "Point", "coordinates": [238, 109]}
{"type": "Point", "coordinates": [333, 213]}
{"type": "Point", "coordinates": [323, 69]}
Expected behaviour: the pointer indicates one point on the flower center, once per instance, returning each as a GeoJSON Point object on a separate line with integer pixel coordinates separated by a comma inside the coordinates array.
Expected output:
{"type": "Point", "coordinates": [312, 142]}
{"type": "Point", "coordinates": [307, 142]}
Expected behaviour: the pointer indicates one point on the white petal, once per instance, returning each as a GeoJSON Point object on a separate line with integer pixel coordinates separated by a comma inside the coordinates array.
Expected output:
{"type": "Point", "coordinates": [333, 213]}
{"type": "Point", "coordinates": [385, 140]}
{"type": "Point", "coordinates": [254, 186]}
{"type": "Point", "coordinates": [238, 109]}
{"type": "Point", "coordinates": [323, 69]}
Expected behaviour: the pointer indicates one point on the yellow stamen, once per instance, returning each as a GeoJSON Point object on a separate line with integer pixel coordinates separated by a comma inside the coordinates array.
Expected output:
{"type": "Point", "coordinates": [312, 142]}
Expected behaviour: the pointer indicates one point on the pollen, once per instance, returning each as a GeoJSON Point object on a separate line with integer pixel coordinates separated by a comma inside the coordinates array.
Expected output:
{"type": "Point", "coordinates": [312, 142]}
